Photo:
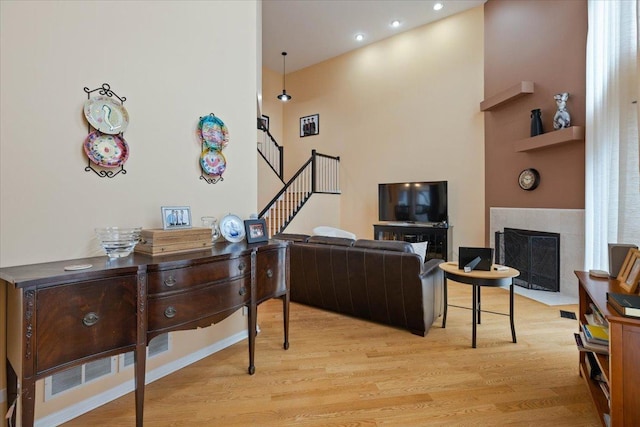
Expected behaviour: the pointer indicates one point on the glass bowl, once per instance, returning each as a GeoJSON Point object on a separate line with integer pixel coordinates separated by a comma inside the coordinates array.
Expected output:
{"type": "Point", "coordinates": [118, 242]}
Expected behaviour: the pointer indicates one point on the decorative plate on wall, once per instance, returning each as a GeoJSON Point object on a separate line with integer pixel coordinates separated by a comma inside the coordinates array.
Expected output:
{"type": "Point", "coordinates": [106, 115]}
{"type": "Point", "coordinates": [213, 132]}
{"type": "Point", "coordinates": [213, 162]}
{"type": "Point", "coordinates": [232, 228]}
{"type": "Point", "coordinates": [108, 151]}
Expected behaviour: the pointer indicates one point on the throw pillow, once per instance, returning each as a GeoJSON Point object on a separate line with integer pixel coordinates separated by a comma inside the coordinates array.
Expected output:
{"type": "Point", "coordinates": [333, 232]}
{"type": "Point", "coordinates": [420, 248]}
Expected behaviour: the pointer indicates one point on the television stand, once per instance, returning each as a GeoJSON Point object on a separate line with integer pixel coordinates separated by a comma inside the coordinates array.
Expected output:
{"type": "Point", "coordinates": [439, 236]}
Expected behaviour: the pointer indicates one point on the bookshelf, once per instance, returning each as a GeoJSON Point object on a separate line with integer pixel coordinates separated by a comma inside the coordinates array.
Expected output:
{"type": "Point", "coordinates": [621, 367]}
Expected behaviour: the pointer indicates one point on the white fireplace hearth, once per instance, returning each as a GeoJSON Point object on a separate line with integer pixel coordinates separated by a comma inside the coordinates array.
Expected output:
{"type": "Point", "coordinates": [569, 223]}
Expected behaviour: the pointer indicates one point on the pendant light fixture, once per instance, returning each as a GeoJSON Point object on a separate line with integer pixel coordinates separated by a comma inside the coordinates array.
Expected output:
{"type": "Point", "coordinates": [284, 96]}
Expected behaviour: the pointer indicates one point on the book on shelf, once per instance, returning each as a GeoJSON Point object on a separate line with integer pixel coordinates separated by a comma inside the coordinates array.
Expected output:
{"type": "Point", "coordinates": [596, 334]}
{"type": "Point", "coordinates": [596, 317]}
{"type": "Point", "coordinates": [605, 389]}
{"type": "Point", "coordinates": [593, 369]}
{"type": "Point", "coordinates": [584, 345]}
{"type": "Point", "coordinates": [625, 304]}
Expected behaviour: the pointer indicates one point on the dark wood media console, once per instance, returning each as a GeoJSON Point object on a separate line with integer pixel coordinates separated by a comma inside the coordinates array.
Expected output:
{"type": "Point", "coordinates": [440, 237]}
{"type": "Point", "coordinates": [119, 305]}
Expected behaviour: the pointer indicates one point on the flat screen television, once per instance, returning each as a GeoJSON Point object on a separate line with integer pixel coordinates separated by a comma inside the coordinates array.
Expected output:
{"type": "Point", "coordinates": [413, 202]}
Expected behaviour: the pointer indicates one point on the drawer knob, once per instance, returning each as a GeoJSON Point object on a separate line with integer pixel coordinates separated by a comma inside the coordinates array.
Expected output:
{"type": "Point", "coordinates": [170, 281]}
{"type": "Point", "coordinates": [90, 319]}
{"type": "Point", "coordinates": [269, 273]}
{"type": "Point", "coordinates": [242, 291]}
{"type": "Point", "coordinates": [242, 266]}
{"type": "Point", "coordinates": [170, 312]}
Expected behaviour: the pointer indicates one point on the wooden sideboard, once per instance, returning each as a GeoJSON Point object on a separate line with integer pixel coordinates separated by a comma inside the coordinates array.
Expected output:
{"type": "Point", "coordinates": [621, 368]}
{"type": "Point", "coordinates": [119, 305]}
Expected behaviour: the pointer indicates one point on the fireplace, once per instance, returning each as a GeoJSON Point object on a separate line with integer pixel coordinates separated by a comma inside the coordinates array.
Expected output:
{"type": "Point", "coordinates": [536, 254]}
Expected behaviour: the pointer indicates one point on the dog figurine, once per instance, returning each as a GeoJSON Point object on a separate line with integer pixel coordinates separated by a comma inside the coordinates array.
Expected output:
{"type": "Point", "coordinates": [562, 119]}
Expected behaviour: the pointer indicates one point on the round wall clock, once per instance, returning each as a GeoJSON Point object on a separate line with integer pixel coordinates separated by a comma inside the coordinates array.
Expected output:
{"type": "Point", "coordinates": [529, 179]}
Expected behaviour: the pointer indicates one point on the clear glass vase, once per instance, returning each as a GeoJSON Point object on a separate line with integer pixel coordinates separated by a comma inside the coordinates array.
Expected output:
{"type": "Point", "coordinates": [212, 223]}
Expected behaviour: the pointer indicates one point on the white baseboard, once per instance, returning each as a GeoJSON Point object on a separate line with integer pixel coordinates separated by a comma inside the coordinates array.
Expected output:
{"type": "Point", "coordinates": [84, 406]}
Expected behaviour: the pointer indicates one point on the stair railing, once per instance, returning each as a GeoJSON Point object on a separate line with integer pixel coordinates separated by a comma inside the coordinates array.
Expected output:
{"type": "Point", "coordinates": [271, 151]}
{"type": "Point", "coordinates": [319, 174]}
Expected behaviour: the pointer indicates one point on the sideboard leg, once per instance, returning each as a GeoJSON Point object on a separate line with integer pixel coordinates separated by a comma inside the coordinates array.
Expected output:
{"type": "Point", "coordinates": [140, 363]}
{"type": "Point", "coordinates": [252, 324]}
{"type": "Point", "coordinates": [28, 402]}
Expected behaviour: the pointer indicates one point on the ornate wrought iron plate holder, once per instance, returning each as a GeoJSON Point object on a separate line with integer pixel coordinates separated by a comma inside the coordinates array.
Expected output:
{"type": "Point", "coordinates": [105, 90]}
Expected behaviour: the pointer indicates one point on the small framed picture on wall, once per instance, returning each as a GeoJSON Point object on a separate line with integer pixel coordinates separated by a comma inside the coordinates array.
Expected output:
{"type": "Point", "coordinates": [264, 122]}
{"type": "Point", "coordinates": [309, 125]}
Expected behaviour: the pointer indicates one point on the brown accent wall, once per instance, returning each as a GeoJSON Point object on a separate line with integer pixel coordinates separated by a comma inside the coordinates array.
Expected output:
{"type": "Point", "coordinates": [543, 42]}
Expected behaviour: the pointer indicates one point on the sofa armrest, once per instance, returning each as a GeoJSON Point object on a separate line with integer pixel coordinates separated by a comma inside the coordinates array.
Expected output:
{"type": "Point", "coordinates": [430, 265]}
{"type": "Point", "coordinates": [432, 279]}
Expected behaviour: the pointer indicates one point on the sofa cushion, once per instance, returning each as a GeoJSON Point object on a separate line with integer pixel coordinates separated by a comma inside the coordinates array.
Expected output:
{"type": "Point", "coordinates": [420, 248]}
{"type": "Point", "coordinates": [325, 240]}
{"type": "Point", "coordinates": [387, 245]}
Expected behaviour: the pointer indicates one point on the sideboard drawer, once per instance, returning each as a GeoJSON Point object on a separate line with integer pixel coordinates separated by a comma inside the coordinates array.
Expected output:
{"type": "Point", "coordinates": [83, 319]}
{"type": "Point", "coordinates": [271, 273]}
{"type": "Point", "coordinates": [186, 277]}
{"type": "Point", "coordinates": [175, 310]}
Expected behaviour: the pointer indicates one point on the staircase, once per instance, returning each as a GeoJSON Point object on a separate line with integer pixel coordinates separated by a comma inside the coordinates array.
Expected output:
{"type": "Point", "coordinates": [270, 150]}
{"type": "Point", "coordinates": [319, 174]}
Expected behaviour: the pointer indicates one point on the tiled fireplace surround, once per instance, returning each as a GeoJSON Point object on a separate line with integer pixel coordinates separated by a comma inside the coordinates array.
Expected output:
{"type": "Point", "coordinates": [569, 223]}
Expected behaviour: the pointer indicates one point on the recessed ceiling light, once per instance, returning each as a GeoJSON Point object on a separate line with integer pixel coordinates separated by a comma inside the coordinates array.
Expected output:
{"type": "Point", "coordinates": [438, 6]}
{"type": "Point", "coordinates": [395, 24]}
{"type": "Point", "coordinates": [359, 37]}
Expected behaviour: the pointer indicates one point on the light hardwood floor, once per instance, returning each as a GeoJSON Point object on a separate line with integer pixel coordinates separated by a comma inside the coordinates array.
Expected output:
{"type": "Point", "coordinates": [341, 371]}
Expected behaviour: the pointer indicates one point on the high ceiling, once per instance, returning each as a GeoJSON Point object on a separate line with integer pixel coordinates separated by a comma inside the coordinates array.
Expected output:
{"type": "Point", "coordinates": [312, 31]}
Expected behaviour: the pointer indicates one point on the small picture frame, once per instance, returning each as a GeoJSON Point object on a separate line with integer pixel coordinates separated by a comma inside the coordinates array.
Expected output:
{"type": "Point", "coordinates": [175, 217]}
{"type": "Point", "coordinates": [263, 123]}
{"type": "Point", "coordinates": [256, 230]}
{"type": "Point", "coordinates": [630, 271]}
{"type": "Point", "coordinates": [309, 125]}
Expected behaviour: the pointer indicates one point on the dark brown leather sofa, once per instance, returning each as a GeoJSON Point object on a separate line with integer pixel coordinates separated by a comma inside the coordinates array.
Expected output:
{"type": "Point", "coordinates": [378, 280]}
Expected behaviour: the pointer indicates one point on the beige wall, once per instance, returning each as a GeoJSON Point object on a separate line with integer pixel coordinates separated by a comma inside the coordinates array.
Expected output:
{"type": "Point", "coordinates": [173, 66]}
{"type": "Point", "coordinates": [320, 209]}
{"type": "Point", "coordinates": [531, 40]}
{"type": "Point", "coordinates": [403, 109]}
